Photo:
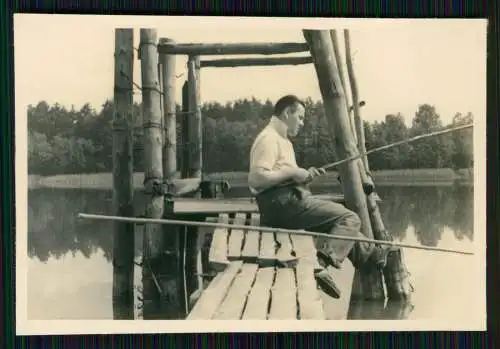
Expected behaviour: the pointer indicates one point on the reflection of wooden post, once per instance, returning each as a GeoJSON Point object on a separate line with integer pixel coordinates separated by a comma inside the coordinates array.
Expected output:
{"type": "Point", "coordinates": [395, 274]}
{"type": "Point", "coordinates": [321, 48]}
{"type": "Point", "coordinates": [195, 122]}
{"type": "Point", "coordinates": [153, 171]}
{"type": "Point", "coordinates": [123, 189]}
{"type": "Point", "coordinates": [185, 131]}
{"type": "Point", "coordinates": [167, 63]}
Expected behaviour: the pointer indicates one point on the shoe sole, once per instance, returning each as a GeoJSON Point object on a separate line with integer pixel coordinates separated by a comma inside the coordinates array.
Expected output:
{"type": "Point", "coordinates": [329, 288]}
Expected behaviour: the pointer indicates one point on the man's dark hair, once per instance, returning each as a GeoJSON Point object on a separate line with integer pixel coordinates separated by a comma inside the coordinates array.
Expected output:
{"type": "Point", "coordinates": [286, 101]}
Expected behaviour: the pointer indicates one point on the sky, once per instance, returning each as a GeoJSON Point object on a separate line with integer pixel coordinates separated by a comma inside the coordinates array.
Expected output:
{"type": "Point", "coordinates": [399, 64]}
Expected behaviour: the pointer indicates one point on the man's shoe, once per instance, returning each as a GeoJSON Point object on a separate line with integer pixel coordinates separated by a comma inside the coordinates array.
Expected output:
{"type": "Point", "coordinates": [326, 283]}
{"type": "Point", "coordinates": [327, 260]}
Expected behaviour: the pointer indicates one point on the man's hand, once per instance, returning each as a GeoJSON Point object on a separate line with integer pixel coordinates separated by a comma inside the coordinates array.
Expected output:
{"type": "Point", "coordinates": [315, 172]}
{"type": "Point", "coordinates": [302, 175]}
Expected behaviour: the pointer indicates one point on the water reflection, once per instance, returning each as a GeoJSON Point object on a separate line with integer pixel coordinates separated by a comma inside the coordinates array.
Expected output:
{"type": "Point", "coordinates": [70, 272]}
{"type": "Point", "coordinates": [383, 310]}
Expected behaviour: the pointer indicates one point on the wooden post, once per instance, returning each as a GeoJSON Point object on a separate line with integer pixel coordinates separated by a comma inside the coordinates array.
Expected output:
{"type": "Point", "coordinates": [153, 171]}
{"type": "Point", "coordinates": [321, 48]}
{"type": "Point", "coordinates": [123, 189]}
{"type": "Point", "coordinates": [172, 241]}
{"type": "Point", "coordinates": [340, 64]}
{"type": "Point", "coordinates": [395, 274]}
{"type": "Point", "coordinates": [355, 99]}
{"type": "Point", "coordinates": [167, 63]}
{"type": "Point", "coordinates": [195, 122]}
{"type": "Point", "coordinates": [368, 185]}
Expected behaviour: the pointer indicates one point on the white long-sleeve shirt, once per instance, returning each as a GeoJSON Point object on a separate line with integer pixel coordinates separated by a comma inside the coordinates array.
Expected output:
{"type": "Point", "coordinates": [270, 151]}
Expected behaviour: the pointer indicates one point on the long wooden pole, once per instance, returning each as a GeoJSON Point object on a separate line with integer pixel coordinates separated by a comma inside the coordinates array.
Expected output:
{"type": "Point", "coordinates": [321, 48]}
{"type": "Point", "coordinates": [195, 121]}
{"type": "Point", "coordinates": [232, 48]}
{"type": "Point", "coordinates": [359, 284]}
{"type": "Point", "coordinates": [123, 188]}
{"type": "Point", "coordinates": [358, 122]}
{"type": "Point", "coordinates": [340, 64]}
{"type": "Point", "coordinates": [263, 229]}
{"type": "Point", "coordinates": [153, 172]}
{"type": "Point", "coordinates": [255, 62]}
{"type": "Point", "coordinates": [167, 63]}
{"type": "Point", "coordinates": [368, 185]}
{"type": "Point", "coordinates": [335, 107]}
{"type": "Point", "coordinates": [172, 240]}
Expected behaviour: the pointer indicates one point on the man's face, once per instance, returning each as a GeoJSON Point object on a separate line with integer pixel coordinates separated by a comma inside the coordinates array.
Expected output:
{"type": "Point", "coordinates": [295, 119]}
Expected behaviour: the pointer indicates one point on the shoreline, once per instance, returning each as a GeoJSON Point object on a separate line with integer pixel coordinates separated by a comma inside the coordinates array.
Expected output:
{"type": "Point", "coordinates": [414, 177]}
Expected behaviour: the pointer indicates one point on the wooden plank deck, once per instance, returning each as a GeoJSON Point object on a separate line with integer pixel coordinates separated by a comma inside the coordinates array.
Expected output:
{"type": "Point", "coordinates": [251, 283]}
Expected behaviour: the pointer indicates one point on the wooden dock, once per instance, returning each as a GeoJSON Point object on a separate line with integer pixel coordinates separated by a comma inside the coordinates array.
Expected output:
{"type": "Point", "coordinates": [265, 276]}
{"type": "Point", "coordinates": [254, 279]}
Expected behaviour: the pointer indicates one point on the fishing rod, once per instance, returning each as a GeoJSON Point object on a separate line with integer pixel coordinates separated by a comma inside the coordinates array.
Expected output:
{"type": "Point", "coordinates": [432, 134]}
{"type": "Point", "coordinates": [265, 230]}
{"type": "Point", "coordinates": [384, 147]}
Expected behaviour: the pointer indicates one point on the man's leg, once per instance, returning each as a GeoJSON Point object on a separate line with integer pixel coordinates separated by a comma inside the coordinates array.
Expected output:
{"type": "Point", "coordinates": [287, 209]}
{"type": "Point", "coordinates": [338, 220]}
{"type": "Point", "coordinates": [341, 222]}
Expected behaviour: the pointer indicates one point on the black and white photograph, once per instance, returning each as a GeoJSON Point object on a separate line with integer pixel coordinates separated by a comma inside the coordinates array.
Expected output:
{"type": "Point", "coordinates": [173, 172]}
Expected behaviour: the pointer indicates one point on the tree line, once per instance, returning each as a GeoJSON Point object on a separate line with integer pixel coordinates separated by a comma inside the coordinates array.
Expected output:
{"type": "Point", "coordinates": [68, 141]}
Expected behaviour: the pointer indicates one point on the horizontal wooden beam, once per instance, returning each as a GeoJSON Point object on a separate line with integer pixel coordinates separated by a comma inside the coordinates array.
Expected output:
{"type": "Point", "coordinates": [232, 48]}
{"type": "Point", "coordinates": [254, 62]}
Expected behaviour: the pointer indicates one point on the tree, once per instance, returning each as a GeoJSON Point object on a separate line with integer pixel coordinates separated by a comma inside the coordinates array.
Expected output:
{"type": "Point", "coordinates": [39, 153]}
{"type": "Point", "coordinates": [391, 130]}
{"type": "Point", "coordinates": [430, 152]}
{"type": "Point", "coordinates": [462, 143]}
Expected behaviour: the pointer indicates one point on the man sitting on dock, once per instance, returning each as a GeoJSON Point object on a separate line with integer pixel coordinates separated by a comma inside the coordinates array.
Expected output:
{"type": "Point", "coordinates": [272, 162]}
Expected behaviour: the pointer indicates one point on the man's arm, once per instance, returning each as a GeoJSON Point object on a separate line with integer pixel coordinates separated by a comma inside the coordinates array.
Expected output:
{"type": "Point", "coordinates": [262, 161]}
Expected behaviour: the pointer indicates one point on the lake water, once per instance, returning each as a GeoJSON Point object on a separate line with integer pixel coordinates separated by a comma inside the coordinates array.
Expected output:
{"type": "Point", "coordinates": [70, 271]}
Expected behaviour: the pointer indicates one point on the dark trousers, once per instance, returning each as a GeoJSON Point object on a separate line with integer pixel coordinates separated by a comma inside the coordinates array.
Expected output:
{"type": "Point", "coordinates": [295, 208]}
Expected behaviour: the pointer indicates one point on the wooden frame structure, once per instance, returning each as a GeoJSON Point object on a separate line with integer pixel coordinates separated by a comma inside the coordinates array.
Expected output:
{"type": "Point", "coordinates": [157, 56]}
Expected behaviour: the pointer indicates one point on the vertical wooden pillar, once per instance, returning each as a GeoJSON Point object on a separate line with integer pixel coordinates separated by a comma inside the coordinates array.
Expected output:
{"type": "Point", "coordinates": [338, 59]}
{"type": "Point", "coordinates": [123, 189]}
{"type": "Point", "coordinates": [195, 122]}
{"type": "Point", "coordinates": [167, 63]}
{"type": "Point", "coordinates": [153, 170]}
{"type": "Point", "coordinates": [368, 185]}
{"type": "Point", "coordinates": [362, 280]}
{"type": "Point", "coordinates": [355, 100]}
{"type": "Point", "coordinates": [173, 238]}
{"type": "Point", "coordinates": [395, 274]}
{"type": "Point", "coordinates": [321, 48]}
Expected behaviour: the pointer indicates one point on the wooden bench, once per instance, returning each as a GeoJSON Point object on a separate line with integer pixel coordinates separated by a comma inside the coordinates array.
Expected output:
{"type": "Point", "coordinates": [184, 205]}
{"type": "Point", "coordinates": [252, 282]}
